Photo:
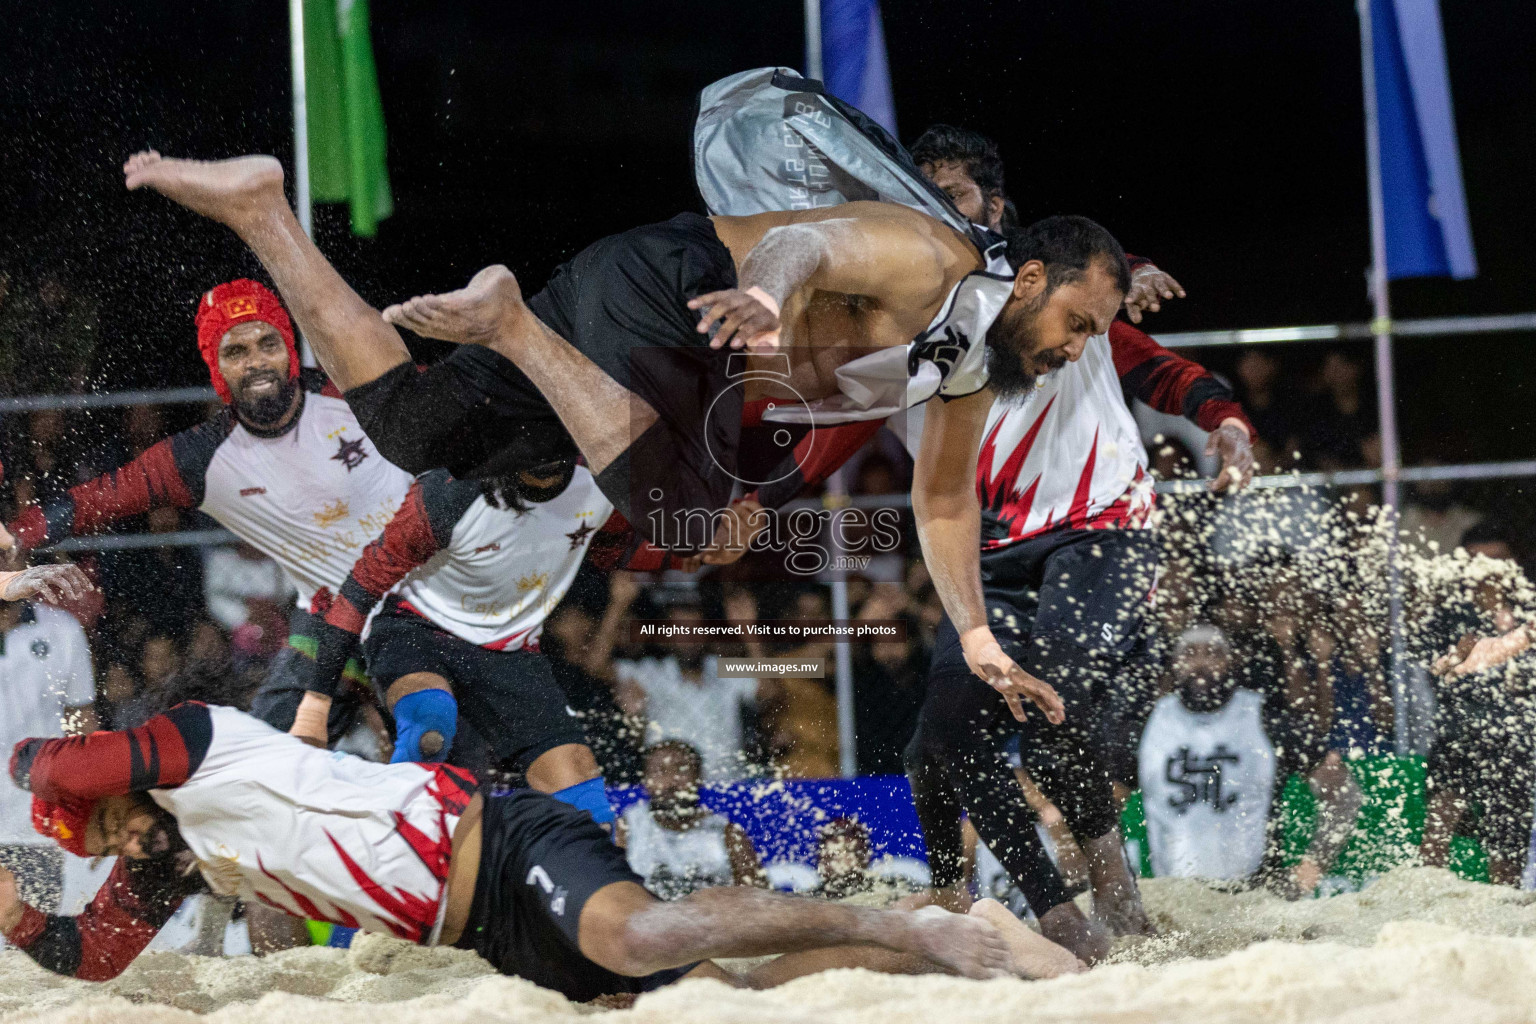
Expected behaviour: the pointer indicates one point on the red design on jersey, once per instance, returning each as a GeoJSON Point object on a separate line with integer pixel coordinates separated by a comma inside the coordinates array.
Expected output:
{"type": "Point", "coordinates": [247, 492]}
{"type": "Point", "coordinates": [1010, 509]}
{"type": "Point", "coordinates": [434, 855]}
{"type": "Point", "coordinates": [1077, 515]}
{"type": "Point", "coordinates": [418, 913]}
{"type": "Point", "coordinates": [307, 907]}
{"type": "Point", "coordinates": [453, 787]}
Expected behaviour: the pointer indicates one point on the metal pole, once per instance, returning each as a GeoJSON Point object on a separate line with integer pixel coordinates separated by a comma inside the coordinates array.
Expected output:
{"type": "Point", "coordinates": [813, 39]}
{"type": "Point", "coordinates": [847, 741]}
{"type": "Point", "coordinates": [1386, 392]}
{"type": "Point", "coordinates": [300, 141]}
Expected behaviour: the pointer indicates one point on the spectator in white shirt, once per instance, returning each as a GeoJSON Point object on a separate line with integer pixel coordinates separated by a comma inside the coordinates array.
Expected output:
{"type": "Point", "coordinates": [45, 672]}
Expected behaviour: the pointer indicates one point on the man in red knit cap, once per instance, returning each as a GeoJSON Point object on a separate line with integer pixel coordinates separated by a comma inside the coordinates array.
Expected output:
{"type": "Point", "coordinates": [284, 465]}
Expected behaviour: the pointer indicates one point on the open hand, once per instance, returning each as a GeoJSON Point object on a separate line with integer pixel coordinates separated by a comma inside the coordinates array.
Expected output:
{"type": "Point", "coordinates": [53, 583]}
{"type": "Point", "coordinates": [1149, 287]}
{"type": "Point", "coordinates": [735, 532]}
{"type": "Point", "coordinates": [1232, 443]}
{"type": "Point", "coordinates": [747, 319]}
{"type": "Point", "coordinates": [985, 657]}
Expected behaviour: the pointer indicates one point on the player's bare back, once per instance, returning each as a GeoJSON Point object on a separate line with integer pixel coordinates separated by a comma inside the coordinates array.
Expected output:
{"type": "Point", "coordinates": [822, 330]}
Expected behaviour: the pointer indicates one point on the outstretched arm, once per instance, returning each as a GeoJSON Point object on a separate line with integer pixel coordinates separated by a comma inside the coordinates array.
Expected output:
{"type": "Point", "coordinates": [949, 526]}
{"type": "Point", "coordinates": [162, 752]}
{"type": "Point", "coordinates": [421, 527]}
{"type": "Point", "coordinates": [1172, 384]}
{"type": "Point", "coordinates": [97, 944]}
{"type": "Point", "coordinates": [170, 472]}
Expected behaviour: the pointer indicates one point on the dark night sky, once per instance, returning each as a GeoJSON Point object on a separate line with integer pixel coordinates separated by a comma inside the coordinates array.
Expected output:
{"type": "Point", "coordinates": [1222, 139]}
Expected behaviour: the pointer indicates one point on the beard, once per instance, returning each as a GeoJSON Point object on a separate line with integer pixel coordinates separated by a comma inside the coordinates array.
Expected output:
{"type": "Point", "coordinates": [1204, 694]}
{"type": "Point", "coordinates": [1013, 362]}
{"type": "Point", "coordinates": [265, 409]}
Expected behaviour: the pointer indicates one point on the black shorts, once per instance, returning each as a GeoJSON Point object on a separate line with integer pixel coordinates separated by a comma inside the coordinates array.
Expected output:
{"type": "Point", "coordinates": [623, 303]}
{"type": "Point", "coordinates": [1084, 588]}
{"type": "Point", "coordinates": [540, 861]}
{"type": "Point", "coordinates": [293, 669]}
{"type": "Point", "coordinates": [509, 700]}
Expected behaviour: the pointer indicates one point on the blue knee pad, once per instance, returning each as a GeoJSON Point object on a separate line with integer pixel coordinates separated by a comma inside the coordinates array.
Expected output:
{"type": "Point", "coordinates": [589, 796]}
{"type": "Point", "coordinates": [419, 713]}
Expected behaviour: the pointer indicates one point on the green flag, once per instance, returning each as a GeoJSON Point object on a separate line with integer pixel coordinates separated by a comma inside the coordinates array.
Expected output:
{"type": "Point", "coordinates": [346, 118]}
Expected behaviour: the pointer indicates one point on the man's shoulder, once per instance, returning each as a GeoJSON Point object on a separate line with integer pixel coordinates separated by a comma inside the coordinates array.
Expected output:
{"type": "Point", "coordinates": [55, 620]}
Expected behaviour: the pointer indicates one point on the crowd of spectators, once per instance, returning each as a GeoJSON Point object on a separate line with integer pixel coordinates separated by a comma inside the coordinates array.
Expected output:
{"type": "Point", "coordinates": [1321, 646]}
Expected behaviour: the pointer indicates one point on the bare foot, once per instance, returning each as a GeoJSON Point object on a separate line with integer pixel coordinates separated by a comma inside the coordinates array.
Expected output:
{"type": "Point", "coordinates": [228, 191]}
{"type": "Point", "coordinates": [1034, 955]}
{"type": "Point", "coordinates": [474, 315]}
{"type": "Point", "coordinates": [1066, 926]}
{"type": "Point", "coordinates": [967, 946]}
{"type": "Point", "coordinates": [1116, 898]}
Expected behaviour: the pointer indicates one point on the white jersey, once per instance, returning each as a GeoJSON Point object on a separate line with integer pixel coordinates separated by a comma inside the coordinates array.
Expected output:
{"type": "Point", "coordinates": [485, 574]}
{"type": "Point", "coordinates": [1208, 783]}
{"type": "Point", "coordinates": [319, 834]}
{"type": "Point", "coordinates": [45, 667]}
{"type": "Point", "coordinates": [1067, 454]}
{"type": "Point", "coordinates": [310, 498]}
{"type": "Point", "coordinates": [675, 863]}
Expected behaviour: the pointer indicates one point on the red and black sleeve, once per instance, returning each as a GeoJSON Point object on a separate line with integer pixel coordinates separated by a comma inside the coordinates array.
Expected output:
{"type": "Point", "coordinates": [134, 903]}
{"type": "Point", "coordinates": [421, 528]}
{"type": "Point", "coordinates": [616, 545]}
{"type": "Point", "coordinates": [1170, 383]}
{"type": "Point", "coordinates": [171, 472]}
{"type": "Point", "coordinates": [162, 752]}
{"type": "Point", "coordinates": [816, 456]}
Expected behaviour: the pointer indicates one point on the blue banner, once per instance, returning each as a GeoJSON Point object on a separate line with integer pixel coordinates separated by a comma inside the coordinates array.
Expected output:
{"type": "Point", "coordinates": [1423, 201]}
{"type": "Point", "coordinates": [783, 816]}
{"type": "Point", "coordinates": [853, 62]}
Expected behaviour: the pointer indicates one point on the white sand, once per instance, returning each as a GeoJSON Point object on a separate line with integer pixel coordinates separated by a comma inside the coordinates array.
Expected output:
{"type": "Point", "coordinates": [1418, 946]}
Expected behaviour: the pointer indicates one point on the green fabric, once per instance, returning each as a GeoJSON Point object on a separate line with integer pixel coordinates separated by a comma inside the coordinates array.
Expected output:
{"type": "Point", "coordinates": [310, 648]}
{"type": "Point", "coordinates": [346, 117]}
{"type": "Point", "coordinates": [319, 932]}
{"type": "Point", "coordinates": [1387, 833]}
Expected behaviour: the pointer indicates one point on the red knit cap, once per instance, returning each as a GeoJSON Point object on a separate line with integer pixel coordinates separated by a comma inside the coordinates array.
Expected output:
{"type": "Point", "coordinates": [63, 822]}
{"type": "Point", "coordinates": [232, 303]}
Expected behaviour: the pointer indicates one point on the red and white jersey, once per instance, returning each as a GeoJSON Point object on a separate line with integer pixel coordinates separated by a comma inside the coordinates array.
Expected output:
{"type": "Point", "coordinates": [309, 497]}
{"type": "Point", "coordinates": [314, 833]}
{"type": "Point", "coordinates": [1066, 455]}
{"type": "Point", "coordinates": [502, 572]}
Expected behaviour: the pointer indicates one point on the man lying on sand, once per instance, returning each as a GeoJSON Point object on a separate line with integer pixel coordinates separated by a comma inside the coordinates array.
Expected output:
{"type": "Point", "coordinates": [422, 852]}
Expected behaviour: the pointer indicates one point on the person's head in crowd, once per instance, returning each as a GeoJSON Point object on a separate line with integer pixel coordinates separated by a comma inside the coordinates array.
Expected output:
{"type": "Point", "coordinates": [1070, 279]}
{"type": "Point", "coordinates": [967, 167]}
{"type": "Point", "coordinates": [1202, 668]}
{"type": "Point", "coordinates": [45, 429]}
{"type": "Point", "coordinates": [1235, 609]}
{"type": "Point", "coordinates": [1258, 369]}
{"type": "Point", "coordinates": [119, 684]}
{"type": "Point", "coordinates": [164, 519]}
{"type": "Point", "coordinates": [568, 629]}
{"type": "Point", "coordinates": [247, 340]}
{"type": "Point", "coordinates": [672, 773]}
{"type": "Point", "coordinates": [876, 476]}
{"type": "Point", "coordinates": [1339, 375]}
{"type": "Point", "coordinates": [683, 607]}
{"type": "Point", "coordinates": [811, 603]}
{"type": "Point", "coordinates": [208, 645]}
{"type": "Point", "coordinates": [143, 426]}
{"type": "Point", "coordinates": [1490, 539]}
{"type": "Point", "coordinates": [158, 661]}
{"type": "Point", "coordinates": [842, 856]}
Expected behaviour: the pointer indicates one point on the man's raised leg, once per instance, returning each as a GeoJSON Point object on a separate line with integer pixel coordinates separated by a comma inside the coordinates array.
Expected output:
{"type": "Point", "coordinates": [603, 417]}
{"type": "Point", "coordinates": [629, 931]}
{"type": "Point", "coordinates": [352, 341]}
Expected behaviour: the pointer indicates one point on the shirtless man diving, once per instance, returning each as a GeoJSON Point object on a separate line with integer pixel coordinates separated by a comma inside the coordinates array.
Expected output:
{"type": "Point", "coordinates": [618, 345]}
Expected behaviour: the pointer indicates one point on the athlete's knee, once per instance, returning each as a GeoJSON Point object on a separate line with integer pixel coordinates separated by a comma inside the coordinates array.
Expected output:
{"type": "Point", "coordinates": [425, 723]}
{"type": "Point", "coordinates": [628, 931]}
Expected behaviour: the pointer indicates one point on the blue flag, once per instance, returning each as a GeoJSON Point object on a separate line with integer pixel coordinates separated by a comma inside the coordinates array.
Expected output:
{"type": "Point", "coordinates": [1425, 205]}
{"type": "Point", "coordinates": [853, 58]}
